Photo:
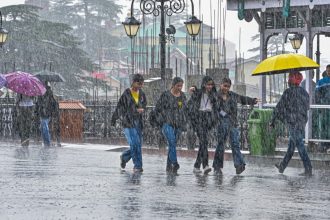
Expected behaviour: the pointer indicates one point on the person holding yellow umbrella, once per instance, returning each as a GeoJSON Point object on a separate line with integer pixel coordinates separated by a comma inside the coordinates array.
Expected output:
{"type": "Point", "coordinates": [293, 106]}
{"type": "Point", "coordinates": [292, 110]}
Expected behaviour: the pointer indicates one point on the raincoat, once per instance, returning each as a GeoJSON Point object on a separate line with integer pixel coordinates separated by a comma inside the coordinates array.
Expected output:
{"type": "Point", "coordinates": [292, 108]}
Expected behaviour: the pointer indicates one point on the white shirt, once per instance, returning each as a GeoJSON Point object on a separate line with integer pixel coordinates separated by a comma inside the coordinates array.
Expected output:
{"type": "Point", "coordinates": [206, 104]}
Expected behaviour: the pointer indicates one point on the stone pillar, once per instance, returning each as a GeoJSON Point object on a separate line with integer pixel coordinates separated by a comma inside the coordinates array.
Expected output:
{"type": "Point", "coordinates": [153, 85]}
{"type": "Point", "coordinates": [240, 88]}
{"type": "Point", "coordinates": [217, 74]}
{"type": "Point", "coordinates": [193, 80]}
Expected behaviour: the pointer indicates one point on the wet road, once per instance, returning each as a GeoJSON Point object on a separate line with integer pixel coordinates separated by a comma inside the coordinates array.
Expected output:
{"type": "Point", "coordinates": [64, 183]}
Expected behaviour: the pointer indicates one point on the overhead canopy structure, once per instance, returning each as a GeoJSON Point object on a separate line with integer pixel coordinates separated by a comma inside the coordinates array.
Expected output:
{"type": "Point", "coordinates": [308, 18]}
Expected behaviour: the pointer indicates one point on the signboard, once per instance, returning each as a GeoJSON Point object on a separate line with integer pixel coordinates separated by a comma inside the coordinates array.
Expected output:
{"type": "Point", "coordinates": [260, 4]}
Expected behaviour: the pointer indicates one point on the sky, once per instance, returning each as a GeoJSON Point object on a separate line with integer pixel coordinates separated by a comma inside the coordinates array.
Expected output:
{"type": "Point", "coordinates": [233, 26]}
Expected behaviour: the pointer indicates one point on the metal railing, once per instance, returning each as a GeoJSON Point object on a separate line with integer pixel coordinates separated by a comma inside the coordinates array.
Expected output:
{"type": "Point", "coordinates": [97, 125]}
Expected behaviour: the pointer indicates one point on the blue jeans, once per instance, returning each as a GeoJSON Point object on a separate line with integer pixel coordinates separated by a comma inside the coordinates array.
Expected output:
{"type": "Point", "coordinates": [225, 128]}
{"type": "Point", "coordinates": [172, 135]}
{"type": "Point", "coordinates": [296, 140]}
{"type": "Point", "coordinates": [134, 139]}
{"type": "Point", "coordinates": [45, 131]}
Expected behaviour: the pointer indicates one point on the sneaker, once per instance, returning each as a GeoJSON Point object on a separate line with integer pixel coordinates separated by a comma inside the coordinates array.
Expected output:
{"type": "Point", "coordinates": [207, 169]}
{"type": "Point", "coordinates": [175, 167]}
{"type": "Point", "coordinates": [168, 168]}
{"type": "Point", "coordinates": [122, 162]}
{"type": "Point", "coordinates": [217, 171]}
{"type": "Point", "coordinates": [306, 173]}
{"type": "Point", "coordinates": [197, 170]}
{"type": "Point", "coordinates": [279, 167]}
{"type": "Point", "coordinates": [240, 169]}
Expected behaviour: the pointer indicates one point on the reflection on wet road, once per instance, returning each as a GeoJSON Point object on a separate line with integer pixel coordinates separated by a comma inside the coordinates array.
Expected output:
{"type": "Point", "coordinates": [60, 183]}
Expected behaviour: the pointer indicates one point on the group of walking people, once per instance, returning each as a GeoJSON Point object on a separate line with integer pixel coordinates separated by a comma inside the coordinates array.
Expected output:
{"type": "Point", "coordinates": [207, 108]}
{"type": "Point", "coordinates": [43, 109]}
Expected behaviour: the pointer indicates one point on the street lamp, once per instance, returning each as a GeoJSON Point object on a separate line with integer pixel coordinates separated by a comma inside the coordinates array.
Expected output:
{"type": "Point", "coordinates": [158, 7]}
{"type": "Point", "coordinates": [131, 26]}
{"type": "Point", "coordinates": [296, 41]}
{"type": "Point", "coordinates": [193, 26]}
{"type": "Point", "coordinates": [3, 32]}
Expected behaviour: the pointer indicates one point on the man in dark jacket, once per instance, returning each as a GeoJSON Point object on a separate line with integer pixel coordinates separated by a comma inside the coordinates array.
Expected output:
{"type": "Point", "coordinates": [228, 125]}
{"type": "Point", "coordinates": [45, 108]}
{"type": "Point", "coordinates": [202, 113]}
{"type": "Point", "coordinates": [130, 108]}
{"type": "Point", "coordinates": [292, 110]}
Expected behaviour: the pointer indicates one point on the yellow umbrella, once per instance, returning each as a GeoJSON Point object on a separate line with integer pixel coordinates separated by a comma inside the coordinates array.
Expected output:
{"type": "Point", "coordinates": [284, 63]}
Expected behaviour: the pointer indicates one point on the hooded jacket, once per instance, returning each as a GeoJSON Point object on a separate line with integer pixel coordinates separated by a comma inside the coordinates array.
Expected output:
{"type": "Point", "coordinates": [126, 109]}
{"type": "Point", "coordinates": [46, 105]}
{"type": "Point", "coordinates": [292, 108]}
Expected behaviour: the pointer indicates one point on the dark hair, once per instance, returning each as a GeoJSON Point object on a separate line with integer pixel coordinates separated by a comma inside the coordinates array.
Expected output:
{"type": "Point", "coordinates": [176, 80]}
{"type": "Point", "coordinates": [328, 66]}
{"type": "Point", "coordinates": [324, 74]}
{"type": "Point", "coordinates": [137, 78]}
{"type": "Point", "coordinates": [226, 80]}
{"type": "Point", "coordinates": [206, 80]}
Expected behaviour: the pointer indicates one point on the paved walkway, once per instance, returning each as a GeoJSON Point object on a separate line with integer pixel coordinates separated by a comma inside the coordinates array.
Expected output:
{"type": "Point", "coordinates": [85, 182]}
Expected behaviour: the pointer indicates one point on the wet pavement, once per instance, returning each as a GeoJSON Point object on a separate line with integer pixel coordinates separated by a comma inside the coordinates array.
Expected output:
{"type": "Point", "coordinates": [84, 183]}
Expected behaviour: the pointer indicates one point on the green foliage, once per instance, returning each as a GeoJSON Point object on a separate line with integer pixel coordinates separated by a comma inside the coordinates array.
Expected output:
{"type": "Point", "coordinates": [33, 43]}
{"type": "Point", "coordinates": [91, 21]}
{"type": "Point", "coordinates": [274, 45]}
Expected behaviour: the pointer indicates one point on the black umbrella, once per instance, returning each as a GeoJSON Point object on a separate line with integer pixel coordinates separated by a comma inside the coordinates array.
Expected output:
{"type": "Point", "coordinates": [48, 76]}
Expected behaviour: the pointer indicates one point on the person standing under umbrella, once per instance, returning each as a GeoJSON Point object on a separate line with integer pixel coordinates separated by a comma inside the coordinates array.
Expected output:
{"type": "Point", "coordinates": [292, 110]}
{"type": "Point", "coordinates": [130, 109]}
{"type": "Point", "coordinates": [24, 111]}
{"type": "Point", "coordinates": [45, 107]}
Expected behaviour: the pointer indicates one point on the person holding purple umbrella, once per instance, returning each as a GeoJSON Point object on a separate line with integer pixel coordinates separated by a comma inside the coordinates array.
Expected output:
{"type": "Point", "coordinates": [24, 110]}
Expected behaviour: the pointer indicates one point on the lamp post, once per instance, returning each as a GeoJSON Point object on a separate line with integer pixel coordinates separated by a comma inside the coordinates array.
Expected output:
{"type": "Point", "coordinates": [162, 8]}
{"type": "Point", "coordinates": [296, 41]}
{"type": "Point", "coordinates": [3, 32]}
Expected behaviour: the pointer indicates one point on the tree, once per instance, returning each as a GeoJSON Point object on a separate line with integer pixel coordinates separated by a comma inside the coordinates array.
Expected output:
{"type": "Point", "coordinates": [275, 45]}
{"type": "Point", "coordinates": [91, 21]}
{"type": "Point", "coordinates": [33, 43]}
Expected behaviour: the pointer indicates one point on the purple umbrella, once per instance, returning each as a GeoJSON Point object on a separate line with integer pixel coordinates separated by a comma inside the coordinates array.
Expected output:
{"type": "Point", "coordinates": [25, 83]}
{"type": "Point", "coordinates": [3, 81]}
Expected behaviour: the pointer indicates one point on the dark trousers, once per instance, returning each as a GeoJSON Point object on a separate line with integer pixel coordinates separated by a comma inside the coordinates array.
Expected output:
{"type": "Point", "coordinates": [296, 140]}
{"type": "Point", "coordinates": [203, 132]}
{"type": "Point", "coordinates": [224, 129]}
{"type": "Point", "coordinates": [24, 124]}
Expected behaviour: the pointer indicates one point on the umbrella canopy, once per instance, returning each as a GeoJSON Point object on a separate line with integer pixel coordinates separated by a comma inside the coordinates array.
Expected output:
{"type": "Point", "coordinates": [25, 83]}
{"type": "Point", "coordinates": [48, 76]}
{"type": "Point", "coordinates": [3, 81]}
{"type": "Point", "coordinates": [284, 63]}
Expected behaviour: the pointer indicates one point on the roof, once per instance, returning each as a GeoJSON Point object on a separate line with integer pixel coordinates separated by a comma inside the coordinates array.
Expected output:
{"type": "Point", "coordinates": [73, 105]}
